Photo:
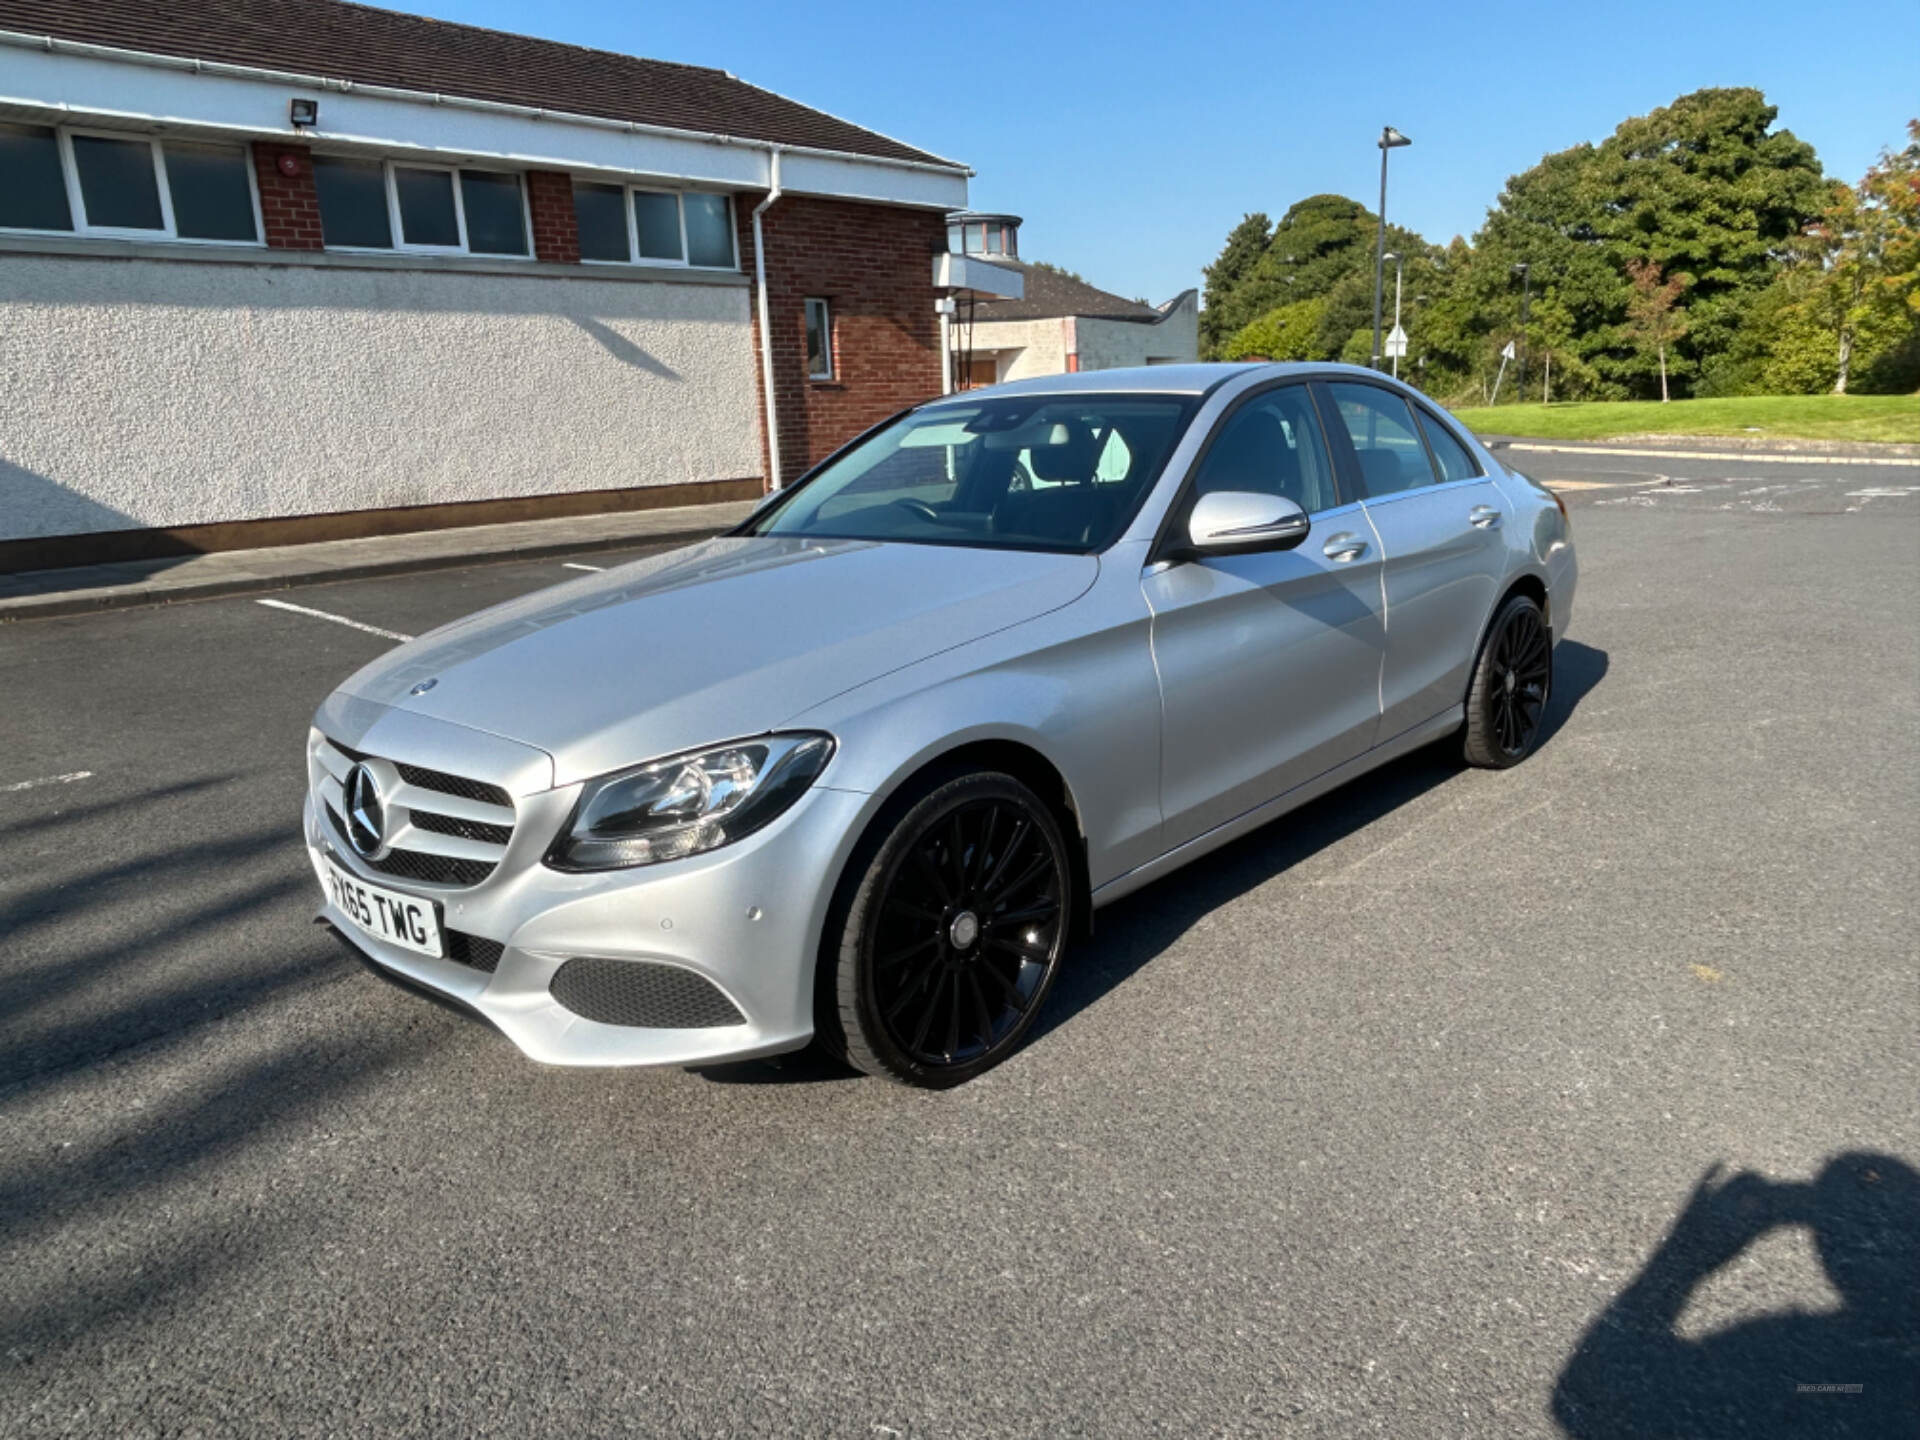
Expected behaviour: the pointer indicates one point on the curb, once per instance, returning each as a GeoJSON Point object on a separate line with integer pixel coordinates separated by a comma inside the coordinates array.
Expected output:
{"type": "Point", "coordinates": [87, 602]}
{"type": "Point", "coordinates": [1784, 452]}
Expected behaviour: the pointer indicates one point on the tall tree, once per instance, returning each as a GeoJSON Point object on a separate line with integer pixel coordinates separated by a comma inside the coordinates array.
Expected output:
{"type": "Point", "coordinates": [1705, 186]}
{"type": "Point", "coordinates": [1869, 236]}
{"type": "Point", "coordinates": [1651, 313]}
{"type": "Point", "coordinates": [1246, 243]}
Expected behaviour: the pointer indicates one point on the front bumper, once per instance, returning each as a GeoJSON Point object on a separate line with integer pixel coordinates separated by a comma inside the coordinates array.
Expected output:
{"type": "Point", "coordinates": [746, 917]}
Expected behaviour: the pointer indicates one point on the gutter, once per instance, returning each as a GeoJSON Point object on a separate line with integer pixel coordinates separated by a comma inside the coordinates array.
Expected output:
{"type": "Point", "coordinates": [54, 45]}
{"type": "Point", "coordinates": [766, 330]}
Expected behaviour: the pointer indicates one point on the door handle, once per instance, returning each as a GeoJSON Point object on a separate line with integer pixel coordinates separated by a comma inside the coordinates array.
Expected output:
{"type": "Point", "coordinates": [1484, 517]}
{"type": "Point", "coordinates": [1344, 546]}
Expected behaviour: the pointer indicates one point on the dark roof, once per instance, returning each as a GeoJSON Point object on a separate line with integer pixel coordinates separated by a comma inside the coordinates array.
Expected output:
{"type": "Point", "coordinates": [333, 40]}
{"type": "Point", "coordinates": [1050, 293]}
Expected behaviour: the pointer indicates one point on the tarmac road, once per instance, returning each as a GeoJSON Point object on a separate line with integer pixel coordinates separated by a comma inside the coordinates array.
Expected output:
{"type": "Point", "coordinates": [1375, 1123]}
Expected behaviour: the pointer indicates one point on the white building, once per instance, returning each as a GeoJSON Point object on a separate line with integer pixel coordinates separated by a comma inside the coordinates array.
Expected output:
{"type": "Point", "coordinates": [1061, 323]}
{"type": "Point", "coordinates": [278, 270]}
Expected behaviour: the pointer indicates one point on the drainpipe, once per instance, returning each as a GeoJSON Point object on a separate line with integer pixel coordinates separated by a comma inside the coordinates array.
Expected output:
{"type": "Point", "coordinates": [766, 328]}
{"type": "Point", "coordinates": [945, 306]}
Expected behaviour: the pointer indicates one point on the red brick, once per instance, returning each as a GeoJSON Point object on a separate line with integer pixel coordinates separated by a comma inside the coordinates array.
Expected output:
{"type": "Point", "coordinates": [556, 232]}
{"type": "Point", "coordinates": [288, 203]}
{"type": "Point", "coordinates": [873, 265]}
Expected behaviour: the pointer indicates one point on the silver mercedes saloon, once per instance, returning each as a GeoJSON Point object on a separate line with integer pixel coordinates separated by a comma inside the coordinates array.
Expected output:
{"type": "Point", "coordinates": [860, 771]}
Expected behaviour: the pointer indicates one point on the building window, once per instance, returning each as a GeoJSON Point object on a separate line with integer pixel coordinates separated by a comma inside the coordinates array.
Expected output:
{"type": "Point", "coordinates": [601, 212]}
{"type": "Point", "coordinates": [97, 183]}
{"type": "Point", "coordinates": [628, 225]}
{"type": "Point", "coordinates": [353, 203]}
{"type": "Point", "coordinates": [494, 211]}
{"type": "Point", "coordinates": [365, 204]}
{"type": "Point", "coordinates": [709, 220]}
{"type": "Point", "coordinates": [819, 340]}
{"type": "Point", "coordinates": [429, 215]}
{"type": "Point", "coordinates": [212, 191]}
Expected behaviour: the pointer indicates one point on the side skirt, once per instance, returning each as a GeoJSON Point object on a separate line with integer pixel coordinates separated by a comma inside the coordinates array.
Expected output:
{"type": "Point", "coordinates": [1424, 733]}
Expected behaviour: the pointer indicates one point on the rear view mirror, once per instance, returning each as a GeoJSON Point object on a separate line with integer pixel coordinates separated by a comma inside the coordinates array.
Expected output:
{"type": "Point", "coordinates": [1240, 522]}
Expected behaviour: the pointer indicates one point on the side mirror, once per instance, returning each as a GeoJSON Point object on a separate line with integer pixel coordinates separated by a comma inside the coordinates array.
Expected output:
{"type": "Point", "coordinates": [1241, 522]}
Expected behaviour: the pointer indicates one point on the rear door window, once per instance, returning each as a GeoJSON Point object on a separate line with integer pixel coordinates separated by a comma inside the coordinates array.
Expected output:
{"type": "Point", "coordinates": [1453, 458]}
{"type": "Point", "coordinates": [1388, 447]}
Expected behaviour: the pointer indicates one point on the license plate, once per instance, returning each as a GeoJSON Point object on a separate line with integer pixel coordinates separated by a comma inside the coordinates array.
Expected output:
{"type": "Point", "coordinates": [403, 920]}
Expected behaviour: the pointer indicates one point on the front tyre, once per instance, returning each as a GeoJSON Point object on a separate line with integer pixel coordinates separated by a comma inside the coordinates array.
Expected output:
{"type": "Point", "coordinates": [1512, 682]}
{"type": "Point", "coordinates": [953, 935]}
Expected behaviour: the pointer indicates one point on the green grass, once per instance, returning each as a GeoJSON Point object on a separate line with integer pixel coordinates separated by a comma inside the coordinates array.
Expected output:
{"type": "Point", "coordinates": [1784, 417]}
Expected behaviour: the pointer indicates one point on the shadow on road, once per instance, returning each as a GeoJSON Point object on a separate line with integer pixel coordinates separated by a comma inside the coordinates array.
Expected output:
{"type": "Point", "coordinates": [1137, 929]}
{"type": "Point", "coordinates": [1132, 932]}
{"type": "Point", "coordinates": [1854, 1372]}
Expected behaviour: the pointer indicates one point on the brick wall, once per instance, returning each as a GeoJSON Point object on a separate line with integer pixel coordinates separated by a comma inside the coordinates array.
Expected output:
{"type": "Point", "coordinates": [873, 265]}
{"type": "Point", "coordinates": [556, 230]}
{"type": "Point", "coordinates": [289, 204]}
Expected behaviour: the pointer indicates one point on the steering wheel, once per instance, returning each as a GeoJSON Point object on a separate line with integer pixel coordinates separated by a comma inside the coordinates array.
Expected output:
{"type": "Point", "coordinates": [920, 508]}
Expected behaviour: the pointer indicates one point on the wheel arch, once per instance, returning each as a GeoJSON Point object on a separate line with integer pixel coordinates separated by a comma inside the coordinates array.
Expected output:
{"type": "Point", "coordinates": [1533, 587]}
{"type": "Point", "coordinates": [1024, 762]}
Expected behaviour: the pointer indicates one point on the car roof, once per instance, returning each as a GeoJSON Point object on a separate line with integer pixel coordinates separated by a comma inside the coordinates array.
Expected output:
{"type": "Point", "coordinates": [1196, 379]}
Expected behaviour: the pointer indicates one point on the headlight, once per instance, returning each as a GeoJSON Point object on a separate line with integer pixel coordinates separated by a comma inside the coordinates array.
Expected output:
{"type": "Point", "coordinates": [688, 803]}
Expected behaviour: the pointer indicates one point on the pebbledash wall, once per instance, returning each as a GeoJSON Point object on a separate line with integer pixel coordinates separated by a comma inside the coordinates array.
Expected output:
{"type": "Point", "coordinates": [160, 395]}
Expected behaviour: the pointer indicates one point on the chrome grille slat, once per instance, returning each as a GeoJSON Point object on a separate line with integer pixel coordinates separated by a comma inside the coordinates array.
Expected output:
{"type": "Point", "coordinates": [454, 807]}
{"type": "Point", "coordinates": [444, 829]}
{"type": "Point", "coordinates": [426, 842]}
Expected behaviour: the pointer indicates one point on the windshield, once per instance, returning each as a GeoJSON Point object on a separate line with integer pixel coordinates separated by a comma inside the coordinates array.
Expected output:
{"type": "Point", "coordinates": [1044, 472]}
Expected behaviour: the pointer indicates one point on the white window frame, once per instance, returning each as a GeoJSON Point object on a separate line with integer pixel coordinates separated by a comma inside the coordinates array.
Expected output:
{"type": "Point", "coordinates": [679, 193]}
{"type": "Point", "coordinates": [826, 334]}
{"type": "Point", "coordinates": [400, 242]}
{"type": "Point", "coordinates": [63, 136]}
{"type": "Point", "coordinates": [401, 246]}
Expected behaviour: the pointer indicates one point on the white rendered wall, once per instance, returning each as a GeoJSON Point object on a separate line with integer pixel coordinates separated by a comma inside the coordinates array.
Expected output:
{"type": "Point", "coordinates": [1024, 348]}
{"type": "Point", "coordinates": [164, 392]}
{"type": "Point", "coordinates": [1111, 344]}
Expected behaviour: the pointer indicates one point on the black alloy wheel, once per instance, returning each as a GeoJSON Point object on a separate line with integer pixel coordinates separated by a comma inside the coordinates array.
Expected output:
{"type": "Point", "coordinates": [954, 935]}
{"type": "Point", "coordinates": [1512, 684]}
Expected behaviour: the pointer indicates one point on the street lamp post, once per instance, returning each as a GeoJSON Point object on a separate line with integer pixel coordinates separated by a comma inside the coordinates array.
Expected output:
{"type": "Point", "coordinates": [1390, 139]}
{"type": "Point", "coordinates": [1399, 273]}
{"type": "Point", "coordinates": [1526, 295]}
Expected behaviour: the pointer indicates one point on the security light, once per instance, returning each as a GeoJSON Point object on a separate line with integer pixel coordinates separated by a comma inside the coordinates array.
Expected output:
{"type": "Point", "coordinates": [303, 113]}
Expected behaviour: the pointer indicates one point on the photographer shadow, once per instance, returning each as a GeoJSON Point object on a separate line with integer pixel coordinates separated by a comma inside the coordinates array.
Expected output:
{"type": "Point", "coordinates": [1850, 1372]}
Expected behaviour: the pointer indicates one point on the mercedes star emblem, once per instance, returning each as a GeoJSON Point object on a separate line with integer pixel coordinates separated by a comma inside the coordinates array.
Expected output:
{"type": "Point", "coordinates": [366, 817]}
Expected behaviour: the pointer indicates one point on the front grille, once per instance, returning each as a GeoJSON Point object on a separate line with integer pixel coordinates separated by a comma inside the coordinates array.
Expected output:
{"type": "Point", "coordinates": [442, 829]}
{"type": "Point", "coordinates": [634, 992]}
{"type": "Point", "coordinates": [418, 864]}
{"type": "Point", "coordinates": [454, 785]}
{"type": "Point", "coordinates": [465, 829]}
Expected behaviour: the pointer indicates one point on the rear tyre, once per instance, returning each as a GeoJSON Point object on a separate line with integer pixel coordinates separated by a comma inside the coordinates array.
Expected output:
{"type": "Point", "coordinates": [951, 936]}
{"type": "Point", "coordinates": [1512, 683]}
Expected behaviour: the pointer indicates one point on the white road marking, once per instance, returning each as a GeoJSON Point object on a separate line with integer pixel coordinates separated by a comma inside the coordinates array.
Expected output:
{"type": "Point", "coordinates": [66, 779]}
{"type": "Point", "coordinates": [336, 619]}
{"type": "Point", "coordinates": [1810, 458]}
{"type": "Point", "coordinates": [574, 565]}
{"type": "Point", "coordinates": [1883, 492]}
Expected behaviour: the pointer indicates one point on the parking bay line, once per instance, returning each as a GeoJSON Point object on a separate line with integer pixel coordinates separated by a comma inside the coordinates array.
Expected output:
{"type": "Point", "coordinates": [66, 779]}
{"type": "Point", "coordinates": [336, 619]}
{"type": "Point", "coordinates": [575, 565]}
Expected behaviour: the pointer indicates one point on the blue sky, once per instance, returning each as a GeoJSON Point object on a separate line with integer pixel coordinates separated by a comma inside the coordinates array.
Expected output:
{"type": "Point", "coordinates": [1133, 136]}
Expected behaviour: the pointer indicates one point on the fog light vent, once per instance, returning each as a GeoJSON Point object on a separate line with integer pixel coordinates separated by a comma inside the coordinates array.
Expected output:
{"type": "Point", "coordinates": [634, 992]}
